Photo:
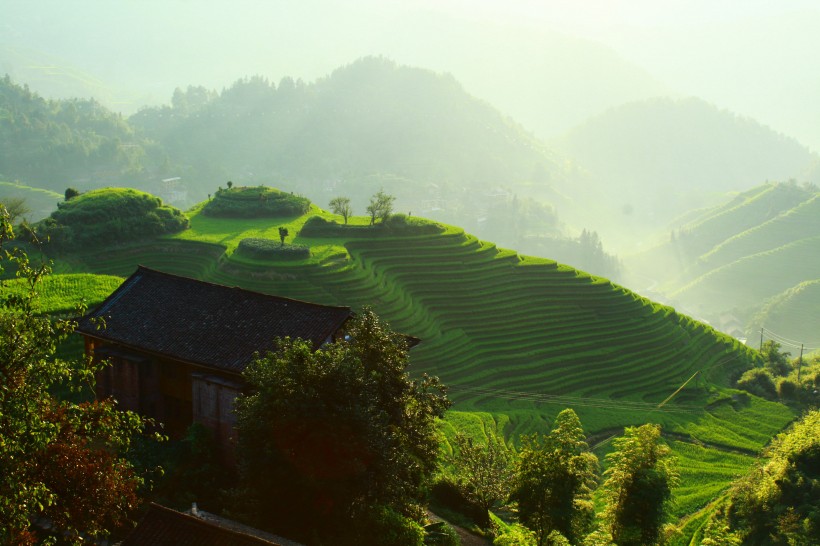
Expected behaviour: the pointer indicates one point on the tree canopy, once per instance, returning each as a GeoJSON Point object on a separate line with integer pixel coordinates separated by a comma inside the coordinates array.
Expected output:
{"type": "Point", "coordinates": [638, 486]}
{"type": "Point", "coordinates": [339, 434]}
{"type": "Point", "coordinates": [778, 502]}
{"type": "Point", "coordinates": [554, 481]}
{"type": "Point", "coordinates": [60, 460]}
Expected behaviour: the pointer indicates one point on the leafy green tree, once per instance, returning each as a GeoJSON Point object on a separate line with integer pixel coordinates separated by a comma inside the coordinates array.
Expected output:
{"type": "Point", "coordinates": [758, 381]}
{"type": "Point", "coordinates": [774, 360]}
{"type": "Point", "coordinates": [380, 207]}
{"type": "Point", "coordinates": [60, 460]}
{"type": "Point", "coordinates": [778, 502]}
{"type": "Point", "coordinates": [342, 207]}
{"type": "Point", "coordinates": [554, 480]}
{"type": "Point", "coordinates": [71, 193]}
{"type": "Point", "coordinates": [638, 486]}
{"type": "Point", "coordinates": [337, 434]}
{"type": "Point", "coordinates": [483, 471]}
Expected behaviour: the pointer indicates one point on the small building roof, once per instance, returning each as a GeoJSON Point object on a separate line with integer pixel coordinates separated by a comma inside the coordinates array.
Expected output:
{"type": "Point", "coordinates": [165, 527]}
{"type": "Point", "coordinates": [204, 323]}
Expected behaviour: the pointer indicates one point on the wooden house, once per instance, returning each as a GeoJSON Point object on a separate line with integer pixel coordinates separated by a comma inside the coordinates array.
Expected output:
{"type": "Point", "coordinates": [178, 346]}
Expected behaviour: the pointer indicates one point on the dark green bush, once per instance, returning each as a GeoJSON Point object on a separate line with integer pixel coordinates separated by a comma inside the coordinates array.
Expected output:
{"type": "Point", "coordinates": [268, 249]}
{"type": "Point", "coordinates": [108, 216]}
{"type": "Point", "coordinates": [255, 202]}
{"type": "Point", "coordinates": [441, 534]}
{"type": "Point", "coordinates": [385, 527]}
{"type": "Point", "coordinates": [787, 389]}
{"type": "Point", "coordinates": [397, 224]}
{"type": "Point", "coordinates": [758, 381]}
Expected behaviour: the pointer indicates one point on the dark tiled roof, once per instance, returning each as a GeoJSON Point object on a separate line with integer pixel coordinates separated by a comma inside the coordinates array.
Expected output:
{"type": "Point", "coordinates": [205, 323]}
{"type": "Point", "coordinates": [165, 527]}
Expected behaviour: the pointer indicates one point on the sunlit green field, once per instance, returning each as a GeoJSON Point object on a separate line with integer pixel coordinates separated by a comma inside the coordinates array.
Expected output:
{"type": "Point", "coordinates": [517, 339]}
{"type": "Point", "coordinates": [66, 294]}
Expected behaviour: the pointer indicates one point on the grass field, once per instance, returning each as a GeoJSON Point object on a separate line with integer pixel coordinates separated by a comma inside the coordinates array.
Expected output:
{"type": "Point", "coordinates": [516, 338]}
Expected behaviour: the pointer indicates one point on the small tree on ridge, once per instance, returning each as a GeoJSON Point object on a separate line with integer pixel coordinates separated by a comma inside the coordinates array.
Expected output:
{"type": "Point", "coordinates": [342, 207]}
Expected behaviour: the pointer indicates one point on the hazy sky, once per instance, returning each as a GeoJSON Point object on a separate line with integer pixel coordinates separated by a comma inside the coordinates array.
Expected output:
{"type": "Point", "coordinates": [754, 57]}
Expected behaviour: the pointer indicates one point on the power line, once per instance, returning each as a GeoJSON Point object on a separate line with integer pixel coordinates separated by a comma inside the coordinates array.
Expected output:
{"type": "Point", "coordinates": [600, 403]}
{"type": "Point", "coordinates": [787, 341]}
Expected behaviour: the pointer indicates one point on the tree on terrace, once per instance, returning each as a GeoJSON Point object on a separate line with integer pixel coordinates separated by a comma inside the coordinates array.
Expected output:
{"type": "Point", "coordinates": [60, 460]}
{"type": "Point", "coordinates": [335, 436]}
{"type": "Point", "coordinates": [554, 480]}
{"type": "Point", "coordinates": [483, 471]}
{"type": "Point", "coordinates": [342, 207]}
{"type": "Point", "coordinates": [380, 207]}
{"type": "Point", "coordinates": [638, 486]}
{"type": "Point", "coordinates": [774, 360]}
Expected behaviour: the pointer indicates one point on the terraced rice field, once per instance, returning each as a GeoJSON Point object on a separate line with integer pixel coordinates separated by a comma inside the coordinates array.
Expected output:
{"type": "Point", "coordinates": [515, 338]}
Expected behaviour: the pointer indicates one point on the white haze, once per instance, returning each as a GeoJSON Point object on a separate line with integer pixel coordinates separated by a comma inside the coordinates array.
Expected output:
{"type": "Point", "coordinates": [755, 58]}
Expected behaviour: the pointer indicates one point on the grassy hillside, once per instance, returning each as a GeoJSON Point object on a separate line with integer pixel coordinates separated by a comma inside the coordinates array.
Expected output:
{"type": "Point", "coordinates": [729, 261]}
{"type": "Point", "coordinates": [754, 279]}
{"type": "Point", "coordinates": [794, 311]}
{"type": "Point", "coordinates": [516, 338]}
{"type": "Point", "coordinates": [66, 293]}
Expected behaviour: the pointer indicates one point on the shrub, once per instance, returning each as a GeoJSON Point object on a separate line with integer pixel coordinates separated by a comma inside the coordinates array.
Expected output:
{"type": "Point", "coordinates": [787, 389]}
{"type": "Point", "coordinates": [449, 495]}
{"type": "Point", "coordinates": [397, 224]}
{"type": "Point", "coordinates": [758, 381]}
{"type": "Point", "coordinates": [441, 534]}
{"type": "Point", "coordinates": [383, 526]}
{"type": "Point", "coordinates": [268, 249]}
{"type": "Point", "coordinates": [255, 202]}
{"type": "Point", "coordinates": [107, 216]}
{"type": "Point", "coordinates": [515, 535]}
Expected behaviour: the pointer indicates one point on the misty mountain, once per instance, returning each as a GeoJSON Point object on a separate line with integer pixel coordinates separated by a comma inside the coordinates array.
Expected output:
{"type": "Point", "coordinates": [545, 78]}
{"type": "Point", "coordinates": [548, 80]}
{"type": "Point", "coordinates": [655, 159]}
{"type": "Point", "coordinates": [738, 257]}
{"type": "Point", "coordinates": [368, 125]}
{"type": "Point", "coordinates": [760, 64]}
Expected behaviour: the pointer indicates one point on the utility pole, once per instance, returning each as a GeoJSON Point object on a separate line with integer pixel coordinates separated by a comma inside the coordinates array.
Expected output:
{"type": "Point", "coordinates": [799, 364]}
{"type": "Point", "coordinates": [761, 340]}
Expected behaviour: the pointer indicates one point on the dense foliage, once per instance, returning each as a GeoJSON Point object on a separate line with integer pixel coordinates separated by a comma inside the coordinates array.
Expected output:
{"type": "Point", "coordinates": [371, 117]}
{"type": "Point", "coordinates": [482, 471]}
{"type": "Point", "coordinates": [338, 435]}
{"type": "Point", "coordinates": [268, 249]}
{"type": "Point", "coordinates": [555, 477]}
{"type": "Point", "coordinates": [778, 502]}
{"type": "Point", "coordinates": [396, 224]}
{"type": "Point", "coordinates": [638, 486]}
{"type": "Point", "coordinates": [61, 461]}
{"type": "Point", "coordinates": [47, 143]}
{"type": "Point", "coordinates": [255, 202]}
{"type": "Point", "coordinates": [108, 216]}
{"type": "Point", "coordinates": [792, 381]}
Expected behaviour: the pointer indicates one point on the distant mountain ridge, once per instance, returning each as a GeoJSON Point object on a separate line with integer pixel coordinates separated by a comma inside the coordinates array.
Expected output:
{"type": "Point", "coordinates": [373, 118]}
{"type": "Point", "coordinates": [662, 157]}
{"type": "Point", "coordinates": [742, 257]}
